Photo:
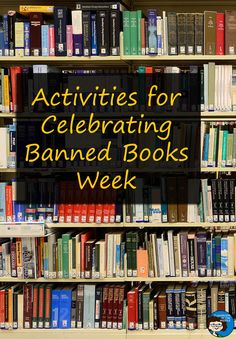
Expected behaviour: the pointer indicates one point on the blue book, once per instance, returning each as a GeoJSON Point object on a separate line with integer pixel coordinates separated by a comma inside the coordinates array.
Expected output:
{"type": "Point", "coordinates": [208, 258]}
{"type": "Point", "coordinates": [170, 306]}
{"type": "Point", "coordinates": [2, 201]}
{"type": "Point", "coordinates": [6, 37]}
{"type": "Point", "coordinates": [201, 253]}
{"type": "Point", "coordinates": [1, 39]}
{"type": "Point", "coordinates": [218, 255]}
{"type": "Point", "coordinates": [55, 307]}
{"type": "Point", "coordinates": [65, 307]}
{"type": "Point", "coordinates": [94, 43]}
{"type": "Point", "coordinates": [224, 256]}
{"type": "Point", "coordinates": [89, 306]}
{"type": "Point", "coordinates": [118, 252]}
{"type": "Point", "coordinates": [18, 205]}
{"type": "Point", "coordinates": [152, 31]}
{"type": "Point", "coordinates": [213, 255]}
{"type": "Point", "coordinates": [206, 149]}
{"type": "Point", "coordinates": [45, 40]}
{"type": "Point", "coordinates": [26, 38]}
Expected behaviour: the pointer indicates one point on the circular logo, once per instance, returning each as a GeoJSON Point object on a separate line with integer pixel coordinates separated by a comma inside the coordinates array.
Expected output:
{"type": "Point", "coordinates": [220, 324]}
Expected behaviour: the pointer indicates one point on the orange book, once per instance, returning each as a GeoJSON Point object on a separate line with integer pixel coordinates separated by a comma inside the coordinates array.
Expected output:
{"type": "Point", "coordinates": [142, 263]}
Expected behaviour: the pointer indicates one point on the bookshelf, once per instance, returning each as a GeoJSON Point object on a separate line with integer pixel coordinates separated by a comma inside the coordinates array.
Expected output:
{"type": "Point", "coordinates": [128, 62]}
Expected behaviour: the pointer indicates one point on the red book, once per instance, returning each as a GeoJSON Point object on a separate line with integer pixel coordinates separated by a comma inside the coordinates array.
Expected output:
{"type": "Point", "coordinates": [106, 207]}
{"type": "Point", "coordinates": [112, 208]}
{"type": "Point", "coordinates": [2, 308]}
{"type": "Point", "coordinates": [51, 40]}
{"type": "Point", "coordinates": [84, 208]}
{"type": "Point", "coordinates": [120, 306]}
{"type": "Point", "coordinates": [69, 199]}
{"type": "Point", "coordinates": [99, 206]}
{"type": "Point", "coordinates": [84, 237]}
{"type": "Point", "coordinates": [9, 212]}
{"type": "Point", "coordinates": [220, 33]}
{"type": "Point", "coordinates": [131, 298]}
{"type": "Point", "coordinates": [13, 260]}
{"type": "Point", "coordinates": [91, 207]}
{"type": "Point", "coordinates": [28, 305]}
{"type": "Point", "coordinates": [104, 306]}
{"type": "Point", "coordinates": [16, 88]}
{"type": "Point", "coordinates": [61, 207]}
{"type": "Point", "coordinates": [115, 307]}
{"type": "Point", "coordinates": [77, 208]}
{"type": "Point", "coordinates": [110, 306]}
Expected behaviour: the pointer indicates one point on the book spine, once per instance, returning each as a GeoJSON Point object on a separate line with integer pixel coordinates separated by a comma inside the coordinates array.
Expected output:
{"type": "Point", "coordinates": [103, 32]}
{"type": "Point", "coordinates": [45, 40]}
{"type": "Point", "coordinates": [77, 32]}
{"type": "Point", "coordinates": [51, 40]}
{"type": "Point", "coordinates": [170, 302]}
{"type": "Point", "coordinates": [86, 21]}
{"type": "Point", "coordinates": [220, 33]}
{"type": "Point", "coordinates": [98, 307]}
{"type": "Point", "coordinates": [11, 32]}
{"type": "Point", "coordinates": [19, 38]}
{"type": "Point", "coordinates": [152, 32]}
{"type": "Point", "coordinates": [55, 308]}
{"type": "Point", "coordinates": [232, 199]}
{"type": "Point", "coordinates": [60, 22]}
{"type": "Point", "coordinates": [172, 33]}
{"type": "Point", "coordinates": [104, 307]}
{"type": "Point", "coordinates": [6, 38]}
{"type": "Point", "coordinates": [36, 20]}
{"type": "Point", "coordinates": [48, 306]}
{"type": "Point", "coordinates": [27, 316]}
{"type": "Point", "coordinates": [94, 41]}
{"type": "Point", "coordinates": [115, 307]}
{"type": "Point", "coordinates": [80, 306]}
{"type": "Point", "coordinates": [199, 35]}
{"type": "Point", "coordinates": [131, 298]}
{"type": "Point", "coordinates": [13, 260]}
{"type": "Point", "coordinates": [114, 32]}
{"type": "Point", "coordinates": [73, 308]}
{"type": "Point", "coordinates": [26, 38]}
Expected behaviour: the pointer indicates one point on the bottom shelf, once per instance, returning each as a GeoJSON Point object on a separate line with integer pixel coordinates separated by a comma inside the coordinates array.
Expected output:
{"type": "Point", "coordinates": [105, 334]}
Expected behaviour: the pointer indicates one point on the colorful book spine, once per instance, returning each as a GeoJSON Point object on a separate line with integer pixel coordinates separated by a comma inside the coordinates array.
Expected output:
{"type": "Point", "coordinates": [45, 40]}
{"type": "Point", "coordinates": [152, 32]}
{"type": "Point", "coordinates": [26, 38]}
{"type": "Point", "coordinates": [69, 40]}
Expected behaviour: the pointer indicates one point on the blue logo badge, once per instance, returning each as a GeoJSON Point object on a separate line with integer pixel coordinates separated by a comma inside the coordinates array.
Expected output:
{"type": "Point", "coordinates": [220, 324]}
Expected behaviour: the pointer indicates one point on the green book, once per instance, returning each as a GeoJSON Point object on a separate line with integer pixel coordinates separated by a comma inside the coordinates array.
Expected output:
{"type": "Point", "coordinates": [126, 32]}
{"type": "Point", "coordinates": [234, 148]}
{"type": "Point", "coordinates": [133, 33]}
{"type": "Point", "coordinates": [65, 254]}
{"type": "Point", "coordinates": [215, 146]}
{"type": "Point", "coordinates": [224, 147]}
{"type": "Point", "coordinates": [145, 301]}
{"type": "Point", "coordinates": [139, 17]}
{"type": "Point", "coordinates": [59, 258]}
{"type": "Point", "coordinates": [229, 150]}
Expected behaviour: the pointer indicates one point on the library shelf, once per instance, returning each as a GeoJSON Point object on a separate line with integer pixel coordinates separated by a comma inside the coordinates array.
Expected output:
{"type": "Point", "coordinates": [116, 280]}
{"type": "Point", "coordinates": [83, 225]}
{"type": "Point", "coordinates": [74, 60]}
{"type": "Point", "coordinates": [63, 333]}
{"type": "Point", "coordinates": [218, 169]}
{"type": "Point", "coordinates": [165, 334]}
{"type": "Point", "coordinates": [178, 58]}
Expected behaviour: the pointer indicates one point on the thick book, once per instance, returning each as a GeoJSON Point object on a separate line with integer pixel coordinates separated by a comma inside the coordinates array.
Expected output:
{"type": "Point", "coordinates": [61, 19]}
{"type": "Point", "coordinates": [209, 32]}
{"type": "Point", "coordinates": [103, 36]}
{"type": "Point", "coordinates": [181, 32]}
{"type": "Point", "coordinates": [190, 33]}
{"type": "Point", "coordinates": [36, 20]}
{"type": "Point", "coordinates": [172, 33]}
{"type": "Point", "coordinates": [86, 29]}
{"type": "Point", "coordinates": [230, 32]}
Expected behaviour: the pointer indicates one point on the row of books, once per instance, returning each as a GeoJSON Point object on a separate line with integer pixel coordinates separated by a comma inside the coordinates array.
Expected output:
{"type": "Point", "coordinates": [217, 92]}
{"type": "Point", "coordinates": [219, 144]}
{"type": "Point", "coordinates": [120, 254]}
{"type": "Point", "coordinates": [94, 29]}
{"type": "Point", "coordinates": [114, 306]}
{"type": "Point", "coordinates": [49, 201]}
{"type": "Point", "coordinates": [52, 306]}
{"type": "Point", "coordinates": [178, 306]}
{"type": "Point", "coordinates": [91, 29]}
{"type": "Point", "coordinates": [174, 33]}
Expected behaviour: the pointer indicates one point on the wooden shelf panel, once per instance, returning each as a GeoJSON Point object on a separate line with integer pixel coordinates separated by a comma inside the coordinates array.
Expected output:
{"type": "Point", "coordinates": [120, 280]}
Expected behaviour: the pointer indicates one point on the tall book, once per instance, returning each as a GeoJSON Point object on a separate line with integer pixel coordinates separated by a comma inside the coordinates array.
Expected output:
{"type": "Point", "coordinates": [36, 20]}
{"type": "Point", "coordinates": [61, 19]}
{"type": "Point", "coordinates": [210, 32]}
{"type": "Point", "coordinates": [230, 32]}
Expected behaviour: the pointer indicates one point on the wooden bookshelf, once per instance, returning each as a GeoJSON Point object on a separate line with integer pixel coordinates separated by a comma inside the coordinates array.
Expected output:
{"type": "Point", "coordinates": [120, 280]}
{"type": "Point", "coordinates": [62, 333]}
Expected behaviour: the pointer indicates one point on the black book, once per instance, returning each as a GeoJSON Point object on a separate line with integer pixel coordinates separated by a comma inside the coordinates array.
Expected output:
{"type": "Point", "coordinates": [232, 200]}
{"type": "Point", "coordinates": [98, 6]}
{"type": "Point", "coordinates": [115, 27]}
{"type": "Point", "coordinates": [62, 18]}
{"type": "Point", "coordinates": [214, 200]}
{"type": "Point", "coordinates": [86, 22]}
{"type": "Point", "coordinates": [98, 307]}
{"type": "Point", "coordinates": [73, 308]}
{"type": "Point", "coordinates": [226, 200]}
{"type": "Point", "coordinates": [220, 199]}
{"type": "Point", "coordinates": [103, 32]}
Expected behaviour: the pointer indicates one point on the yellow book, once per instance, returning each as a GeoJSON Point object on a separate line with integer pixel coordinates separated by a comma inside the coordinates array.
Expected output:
{"type": "Point", "coordinates": [36, 9]}
{"type": "Point", "coordinates": [19, 39]}
{"type": "Point", "coordinates": [19, 263]}
{"type": "Point", "coordinates": [6, 96]}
